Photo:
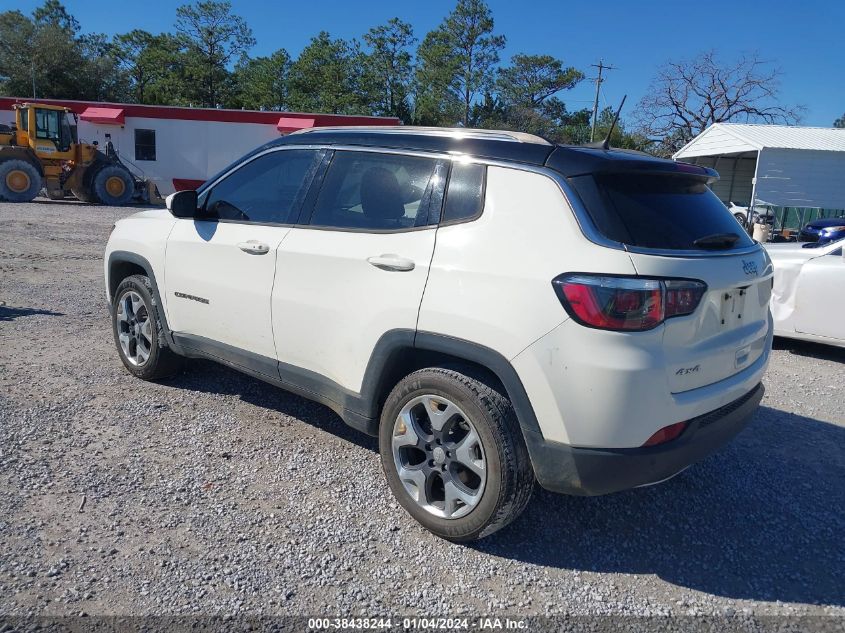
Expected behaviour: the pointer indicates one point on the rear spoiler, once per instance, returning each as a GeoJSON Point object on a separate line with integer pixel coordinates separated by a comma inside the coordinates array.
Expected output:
{"type": "Point", "coordinates": [580, 161]}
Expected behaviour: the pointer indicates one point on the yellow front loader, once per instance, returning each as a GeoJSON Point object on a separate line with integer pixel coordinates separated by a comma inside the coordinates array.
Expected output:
{"type": "Point", "coordinates": [41, 151]}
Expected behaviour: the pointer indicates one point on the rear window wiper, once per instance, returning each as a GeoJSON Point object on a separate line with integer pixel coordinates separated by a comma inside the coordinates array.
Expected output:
{"type": "Point", "coordinates": [717, 241]}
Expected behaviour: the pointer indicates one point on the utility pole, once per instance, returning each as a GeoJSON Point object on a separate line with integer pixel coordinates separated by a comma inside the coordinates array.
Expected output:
{"type": "Point", "coordinates": [33, 79]}
{"type": "Point", "coordinates": [599, 79]}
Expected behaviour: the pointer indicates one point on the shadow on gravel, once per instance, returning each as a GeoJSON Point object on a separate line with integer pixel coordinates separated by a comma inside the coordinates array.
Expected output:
{"type": "Point", "coordinates": [811, 350]}
{"type": "Point", "coordinates": [760, 520]}
{"type": "Point", "coordinates": [209, 377]}
{"type": "Point", "coordinates": [8, 313]}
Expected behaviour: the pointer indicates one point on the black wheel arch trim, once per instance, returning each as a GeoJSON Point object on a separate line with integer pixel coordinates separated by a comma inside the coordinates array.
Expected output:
{"type": "Point", "coordinates": [493, 361]}
{"type": "Point", "coordinates": [126, 257]}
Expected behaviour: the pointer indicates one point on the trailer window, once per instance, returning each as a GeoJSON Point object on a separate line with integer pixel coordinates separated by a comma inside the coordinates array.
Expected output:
{"type": "Point", "coordinates": [145, 144]}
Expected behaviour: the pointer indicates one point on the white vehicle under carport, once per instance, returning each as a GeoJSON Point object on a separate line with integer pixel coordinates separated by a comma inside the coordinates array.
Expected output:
{"type": "Point", "coordinates": [807, 298]}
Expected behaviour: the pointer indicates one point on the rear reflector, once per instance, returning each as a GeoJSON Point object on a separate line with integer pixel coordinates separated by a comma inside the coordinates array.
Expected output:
{"type": "Point", "coordinates": [632, 304]}
{"type": "Point", "coordinates": [666, 434]}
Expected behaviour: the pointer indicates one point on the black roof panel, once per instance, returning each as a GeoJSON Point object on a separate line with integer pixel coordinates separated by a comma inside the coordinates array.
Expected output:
{"type": "Point", "coordinates": [492, 147]}
{"type": "Point", "coordinates": [505, 146]}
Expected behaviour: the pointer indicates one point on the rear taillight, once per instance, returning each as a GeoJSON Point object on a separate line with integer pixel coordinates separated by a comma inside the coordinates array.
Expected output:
{"type": "Point", "coordinates": [630, 304]}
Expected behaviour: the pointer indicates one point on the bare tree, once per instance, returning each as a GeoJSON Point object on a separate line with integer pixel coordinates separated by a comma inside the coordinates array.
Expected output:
{"type": "Point", "coordinates": [689, 95]}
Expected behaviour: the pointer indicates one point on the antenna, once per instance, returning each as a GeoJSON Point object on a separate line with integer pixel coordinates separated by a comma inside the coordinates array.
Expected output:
{"type": "Point", "coordinates": [605, 144]}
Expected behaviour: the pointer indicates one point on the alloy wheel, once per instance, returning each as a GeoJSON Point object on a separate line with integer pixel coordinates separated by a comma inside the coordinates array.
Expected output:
{"type": "Point", "coordinates": [134, 328]}
{"type": "Point", "coordinates": [439, 457]}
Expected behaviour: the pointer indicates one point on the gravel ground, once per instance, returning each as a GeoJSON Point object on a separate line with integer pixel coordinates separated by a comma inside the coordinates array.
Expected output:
{"type": "Point", "coordinates": [214, 493]}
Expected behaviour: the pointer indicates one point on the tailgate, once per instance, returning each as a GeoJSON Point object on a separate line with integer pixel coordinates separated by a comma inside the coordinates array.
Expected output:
{"type": "Point", "coordinates": [729, 330]}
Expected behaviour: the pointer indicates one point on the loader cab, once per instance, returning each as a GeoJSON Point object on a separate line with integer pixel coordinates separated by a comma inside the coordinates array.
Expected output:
{"type": "Point", "coordinates": [48, 130]}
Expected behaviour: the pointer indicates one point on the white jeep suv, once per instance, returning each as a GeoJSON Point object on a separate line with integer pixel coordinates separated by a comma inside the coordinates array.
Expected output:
{"type": "Point", "coordinates": [497, 309]}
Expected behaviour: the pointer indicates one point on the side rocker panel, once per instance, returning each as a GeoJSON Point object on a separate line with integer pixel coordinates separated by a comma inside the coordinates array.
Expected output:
{"type": "Point", "coordinates": [358, 410]}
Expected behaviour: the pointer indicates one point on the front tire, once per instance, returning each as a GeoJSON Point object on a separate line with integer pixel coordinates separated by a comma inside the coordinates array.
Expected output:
{"type": "Point", "coordinates": [453, 453]}
{"type": "Point", "coordinates": [138, 332]}
{"type": "Point", "coordinates": [19, 180]}
{"type": "Point", "coordinates": [113, 185]}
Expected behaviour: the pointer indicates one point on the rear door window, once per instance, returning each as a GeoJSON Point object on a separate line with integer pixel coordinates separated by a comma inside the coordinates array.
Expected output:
{"type": "Point", "coordinates": [657, 211]}
{"type": "Point", "coordinates": [369, 191]}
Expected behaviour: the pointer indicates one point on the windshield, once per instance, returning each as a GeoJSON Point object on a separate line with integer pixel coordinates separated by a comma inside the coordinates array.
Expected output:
{"type": "Point", "coordinates": [659, 211]}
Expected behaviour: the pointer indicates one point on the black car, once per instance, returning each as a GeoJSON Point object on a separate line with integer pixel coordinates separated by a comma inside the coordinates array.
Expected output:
{"type": "Point", "coordinates": [823, 230]}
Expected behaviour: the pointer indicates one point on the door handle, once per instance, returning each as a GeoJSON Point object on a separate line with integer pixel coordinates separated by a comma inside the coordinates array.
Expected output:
{"type": "Point", "coordinates": [254, 247]}
{"type": "Point", "coordinates": [389, 261]}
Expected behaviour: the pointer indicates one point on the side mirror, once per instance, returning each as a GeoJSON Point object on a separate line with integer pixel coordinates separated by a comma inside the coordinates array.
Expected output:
{"type": "Point", "coordinates": [182, 204]}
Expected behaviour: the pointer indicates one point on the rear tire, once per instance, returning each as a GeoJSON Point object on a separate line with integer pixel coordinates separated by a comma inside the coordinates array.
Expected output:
{"type": "Point", "coordinates": [436, 485]}
{"type": "Point", "coordinates": [138, 331]}
{"type": "Point", "coordinates": [19, 180]}
{"type": "Point", "coordinates": [114, 185]}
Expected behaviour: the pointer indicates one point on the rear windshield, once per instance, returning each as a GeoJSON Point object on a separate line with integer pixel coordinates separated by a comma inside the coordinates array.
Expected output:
{"type": "Point", "coordinates": [657, 211]}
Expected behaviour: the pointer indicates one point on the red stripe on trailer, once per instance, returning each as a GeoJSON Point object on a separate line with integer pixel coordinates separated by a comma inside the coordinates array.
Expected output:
{"type": "Point", "coordinates": [300, 119]}
{"type": "Point", "coordinates": [182, 184]}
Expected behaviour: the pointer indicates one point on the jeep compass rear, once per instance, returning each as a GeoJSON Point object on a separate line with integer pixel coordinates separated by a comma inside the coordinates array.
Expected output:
{"type": "Point", "coordinates": [661, 361]}
{"type": "Point", "coordinates": [497, 309]}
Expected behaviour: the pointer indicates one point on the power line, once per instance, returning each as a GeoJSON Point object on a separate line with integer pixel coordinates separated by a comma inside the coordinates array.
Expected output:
{"type": "Point", "coordinates": [599, 81]}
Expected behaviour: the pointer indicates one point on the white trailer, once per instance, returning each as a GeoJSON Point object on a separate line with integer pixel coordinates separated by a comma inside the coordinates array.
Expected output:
{"type": "Point", "coordinates": [179, 148]}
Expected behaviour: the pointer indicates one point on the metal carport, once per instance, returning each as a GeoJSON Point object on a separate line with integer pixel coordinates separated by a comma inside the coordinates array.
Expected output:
{"type": "Point", "coordinates": [799, 171]}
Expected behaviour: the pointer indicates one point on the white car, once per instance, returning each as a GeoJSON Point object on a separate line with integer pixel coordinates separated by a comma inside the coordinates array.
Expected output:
{"type": "Point", "coordinates": [808, 297]}
{"type": "Point", "coordinates": [498, 310]}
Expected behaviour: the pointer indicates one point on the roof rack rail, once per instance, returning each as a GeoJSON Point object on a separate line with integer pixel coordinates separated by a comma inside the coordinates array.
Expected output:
{"type": "Point", "coordinates": [458, 133]}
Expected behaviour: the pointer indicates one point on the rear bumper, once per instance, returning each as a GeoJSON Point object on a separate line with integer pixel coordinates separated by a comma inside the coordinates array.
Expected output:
{"type": "Point", "coordinates": [595, 471]}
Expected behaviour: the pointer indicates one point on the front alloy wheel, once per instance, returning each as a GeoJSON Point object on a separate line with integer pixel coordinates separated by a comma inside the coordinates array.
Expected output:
{"type": "Point", "coordinates": [439, 457]}
{"type": "Point", "coordinates": [134, 328]}
{"type": "Point", "coordinates": [138, 332]}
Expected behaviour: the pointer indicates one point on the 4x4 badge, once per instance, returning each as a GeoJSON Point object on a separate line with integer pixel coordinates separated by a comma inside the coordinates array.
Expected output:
{"type": "Point", "coordinates": [750, 267]}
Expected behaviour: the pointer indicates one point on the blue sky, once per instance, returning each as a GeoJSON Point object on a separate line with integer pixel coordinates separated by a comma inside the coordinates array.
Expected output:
{"type": "Point", "coordinates": [804, 38]}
